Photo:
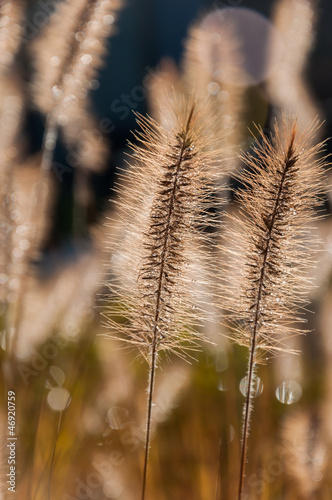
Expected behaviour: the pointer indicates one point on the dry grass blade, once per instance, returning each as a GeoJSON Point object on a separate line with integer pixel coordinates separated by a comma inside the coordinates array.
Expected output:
{"type": "Point", "coordinates": [283, 184]}
{"type": "Point", "coordinates": [170, 191]}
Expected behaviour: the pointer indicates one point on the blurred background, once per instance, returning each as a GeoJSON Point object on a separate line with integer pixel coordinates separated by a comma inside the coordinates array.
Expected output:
{"type": "Point", "coordinates": [80, 399]}
{"type": "Point", "coordinates": [148, 31]}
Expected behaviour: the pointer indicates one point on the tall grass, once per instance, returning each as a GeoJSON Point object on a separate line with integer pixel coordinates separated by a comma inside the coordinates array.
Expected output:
{"type": "Point", "coordinates": [209, 259]}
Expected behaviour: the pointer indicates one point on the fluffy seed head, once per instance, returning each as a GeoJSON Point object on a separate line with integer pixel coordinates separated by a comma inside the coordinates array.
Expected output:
{"type": "Point", "coordinates": [70, 50]}
{"type": "Point", "coordinates": [163, 208]}
{"type": "Point", "coordinates": [283, 183]}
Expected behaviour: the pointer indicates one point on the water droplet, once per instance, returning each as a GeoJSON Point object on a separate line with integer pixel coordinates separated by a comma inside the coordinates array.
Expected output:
{"type": "Point", "coordinates": [22, 229]}
{"type": "Point", "coordinates": [289, 392]}
{"type": "Point", "coordinates": [213, 88]}
{"type": "Point", "coordinates": [58, 398]}
{"type": "Point", "coordinates": [50, 143]}
{"type": "Point", "coordinates": [69, 100]}
{"type": "Point", "coordinates": [94, 85]}
{"type": "Point", "coordinates": [62, 120]}
{"type": "Point", "coordinates": [94, 26]}
{"type": "Point", "coordinates": [57, 92]}
{"type": "Point", "coordinates": [86, 59]}
{"type": "Point", "coordinates": [55, 61]}
{"type": "Point", "coordinates": [109, 19]}
{"type": "Point", "coordinates": [257, 386]}
{"type": "Point", "coordinates": [79, 36]}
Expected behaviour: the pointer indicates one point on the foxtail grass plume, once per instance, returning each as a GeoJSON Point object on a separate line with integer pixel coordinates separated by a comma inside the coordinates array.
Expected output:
{"type": "Point", "coordinates": [170, 191]}
{"type": "Point", "coordinates": [11, 16]}
{"type": "Point", "coordinates": [164, 83]}
{"type": "Point", "coordinates": [27, 233]}
{"type": "Point", "coordinates": [68, 55]}
{"type": "Point", "coordinates": [305, 452]}
{"type": "Point", "coordinates": [70, 50]}
{"type": "Point", "coordinates": [64, 301]}
{"type": "Point", "coordinates": [212, 70]}
{"type": "Point", "coordinates": [11, 113]}
{"type": "Point", "coordinates": [289, 50]}
{"type": "Point", "coordinates": [166, 193]}
{"type": "Point", "coordinates": [283, 183]}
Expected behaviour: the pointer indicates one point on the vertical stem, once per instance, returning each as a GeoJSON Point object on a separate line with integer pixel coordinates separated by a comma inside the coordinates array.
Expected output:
{"type": "Point", "coordinates": [149, 415]}
{"type": "Point", "coordinates": [154, 346]}
{"type": "Point", "coordinates": [247, 413]}
{"type": "Point", "coordinates": [53, 452]}
{"type": "Point", "coordinates": [218, 471]}
{"type": "Point", "coordinates": [289, 162]}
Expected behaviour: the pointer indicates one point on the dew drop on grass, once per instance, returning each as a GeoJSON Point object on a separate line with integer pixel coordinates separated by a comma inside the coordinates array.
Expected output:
{"type": "Point", "coordinates": [57, 91]}
{"type": "Point", "coordinates": [79, 36]}
{"type": "Point", "coordinates": [55, 61]}
{"type": "Point", "coordinates": [50, 143]}
{"type": "Point", "coordinates": [213, 88]}
{"type": "Point", "coordinates": [94, 85]}
{"type": "Point", "coordinates": [86, 59]}
{"type": "Point", "coordinates": [257, 386]}
{"type": "Point", "coordinates": [289, 392]}
{"type": "Point", "coordinates": [70, 100]}
{"type": "Point", "coordinates": [108, 19]}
